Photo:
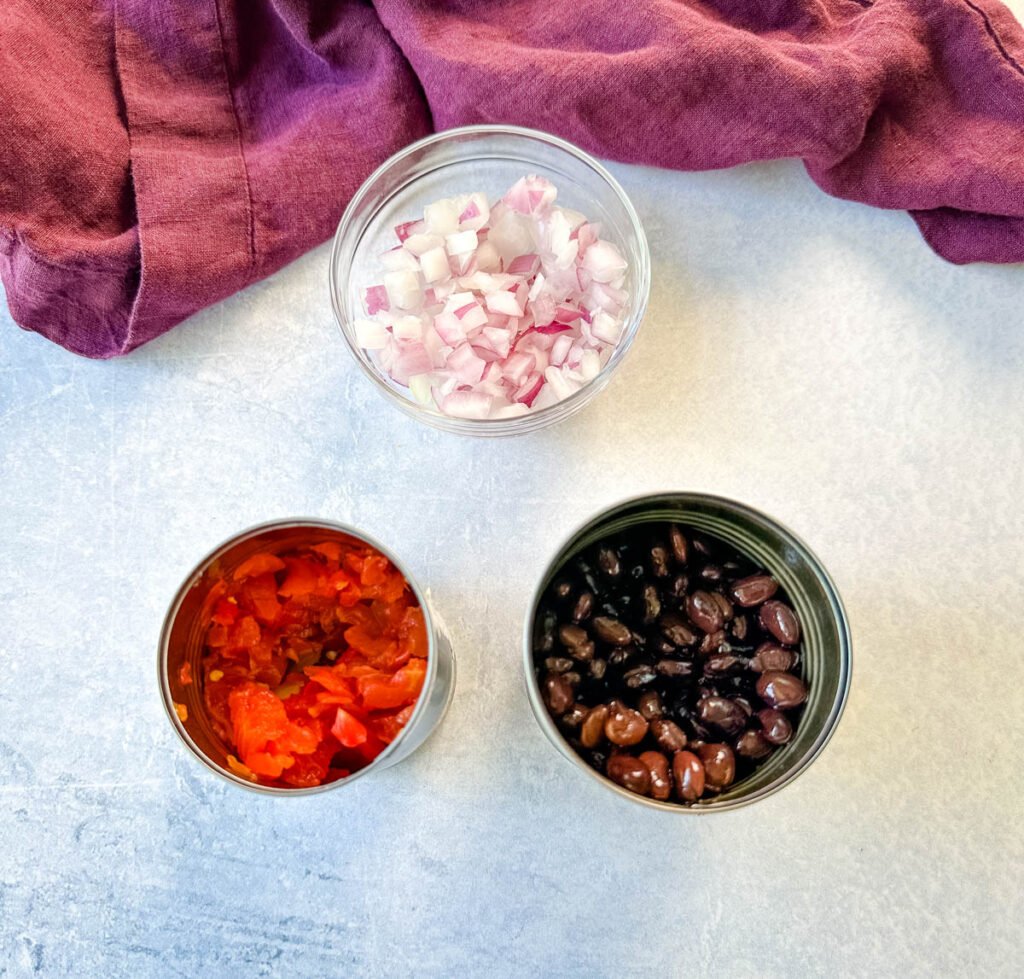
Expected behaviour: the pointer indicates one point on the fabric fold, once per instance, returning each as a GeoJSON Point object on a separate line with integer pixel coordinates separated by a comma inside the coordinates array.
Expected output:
{"type": "Point", "coordinates": [162, 156]}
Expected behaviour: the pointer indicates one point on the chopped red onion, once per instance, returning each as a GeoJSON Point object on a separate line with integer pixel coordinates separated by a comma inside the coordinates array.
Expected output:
{"type": "Point", "coordinates": [493, 312]}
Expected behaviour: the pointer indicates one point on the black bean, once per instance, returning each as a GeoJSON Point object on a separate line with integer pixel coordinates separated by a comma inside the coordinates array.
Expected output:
{"type": "Point", "coordinates": [713, 642]}
{"type": "Point", "coordinates": [639, 676]}
{"type": "Point", "coordinates": [583, 607]}
{"type": "Point", "coordinates": [674, 667]}
{"type": "Point", "coordinates": [678, 542]}
{"type": "Point", "coordinates": [608, 562]}
{"type": "Point", "coordinates": [722, 713]}
{"type": "Point", "coordinates": [629, 772]}
{"type": "Point", "coordinates": [740, 627]}
{"type": "Point", "coordinates": [597, 668]}
{"type": "Point", "coordinates": [712, 573]}
{"type": "Point", "coordinates": [753, 744]}
{"type": "Point", "coordinates": [669, 735]}
{"type": "Point", "coordinates": [544, 634]}
{"type": "Point", "coordinates": [719, 765]}
{"type": "Point", "coordinates": [677, 587]}
{"type": "Point", "coordinates": [652, 604]}
{"type": "Point", "coordinates": [592, 729]}
{"type": "Point", "coordinates": [611, 631]}
{"type": "Point", "coordinates": [703, 611]}
{"type": "Point", "coordinates": [558, 664]}
{"type": "Point", "coordinates": [624, 726]}
{"type": "Point", "coordinates": [574, 716]}
{"type": "Point", "coordinates": [661, 780]}
{"type": "Point", "coordinates": [781, 621]}
{"type": "Point", "coordinates": [558, 693]}
{"type": "Point", "coordinates": [775, 725]}
{"type": "Point", "coordinates": [621, 655]}
{"type": "Point", "coordinates": [659, 561]}
{"type": "Point", "coordinates": [779, 689]}
{"type": "Point", "coordinates": [771, 657]}
{"type": "Point", "coordinates": [649, 705]}
{"type": "Point", "coordinates": [725, 605]}
{"type": "Point", "coordinates": [754, 590]}
{"type": "Point", "coordinates": [723, 663]}
{"type": "Point", "coordinates": [688, 774]}
{"type": "Point", "coordinates": [676, 631]}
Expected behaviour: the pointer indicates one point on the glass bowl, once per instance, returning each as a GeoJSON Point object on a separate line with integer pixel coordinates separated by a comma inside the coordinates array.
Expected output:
{"type": "Point", "coordinates": [825, 631]}
{"type": "Point", "coordinates": [488, 159]}
{"type": "Point", "coordinates": [181, 643]}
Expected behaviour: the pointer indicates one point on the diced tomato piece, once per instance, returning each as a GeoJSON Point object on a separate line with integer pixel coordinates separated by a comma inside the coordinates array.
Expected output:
{"type": "Point", "coordinates": [301, 580]}
{"type": "Point", "coordinates": [225, 612]}
{"type": "Point", "coordinates": [374, 570]}
{"type": "Point", "coordinates": [383, 692]}
{"type": "Point", "coordinates": [329, 549]}
{"type": "Point", "coordinates": [261, 593]}
{"type": "Point", "coordinates": [387, 725]}
{"type": "Point", "coordinates": [348, 730]}
{"type": "Point", "coordinates": [258, 564]}
{"type": "Point", "coordinates": [312, 769]}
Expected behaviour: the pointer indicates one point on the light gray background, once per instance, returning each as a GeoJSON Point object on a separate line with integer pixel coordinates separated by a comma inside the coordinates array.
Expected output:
{"type": "Point", "coordinates": [808, 356]}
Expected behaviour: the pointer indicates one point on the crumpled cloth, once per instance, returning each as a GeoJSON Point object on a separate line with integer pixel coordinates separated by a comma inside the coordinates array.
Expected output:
{"type": "Point", "coordinates": [158, 156]}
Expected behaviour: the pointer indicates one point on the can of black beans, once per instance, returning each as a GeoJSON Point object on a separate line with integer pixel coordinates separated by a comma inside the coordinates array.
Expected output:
{"type": "Point", "coordinates": [687, 652]}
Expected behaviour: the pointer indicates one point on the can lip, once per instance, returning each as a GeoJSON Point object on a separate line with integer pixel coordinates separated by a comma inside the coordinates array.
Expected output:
{"type": "Point", "coordinates": [839, 617]}
{"type": "Point", "coordinates": [298, 523]}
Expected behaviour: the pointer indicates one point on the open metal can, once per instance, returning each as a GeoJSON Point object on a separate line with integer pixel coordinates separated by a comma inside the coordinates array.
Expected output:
{"type": "Point", "coordinates": [826, 632]}
{"type": "Point", "coordinates": [181, 643]}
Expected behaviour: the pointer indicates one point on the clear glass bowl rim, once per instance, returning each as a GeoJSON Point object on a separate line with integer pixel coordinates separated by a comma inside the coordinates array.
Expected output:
{"type": "Point", "coordinates": [544, 416]}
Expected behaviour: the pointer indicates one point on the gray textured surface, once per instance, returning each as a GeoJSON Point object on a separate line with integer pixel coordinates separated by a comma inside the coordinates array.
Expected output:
{"type": "Point", "coordinates": [805, 355]}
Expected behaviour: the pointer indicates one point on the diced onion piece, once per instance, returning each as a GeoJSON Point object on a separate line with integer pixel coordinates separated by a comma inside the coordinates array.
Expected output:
{"type": "Point", "coordinates": [461, 243]}
{"type": "Point", "coordinates": [476, 212]}
{"type": "Point", "coordinates": [435, 265]}
{"type": "Point", "coordinates": [465, 364]}
{"type": "Point", "coordinates": [412, 358]}
{"type": "Point", "coordinates": [518, 366]}
{"type": "Point", "coordinates": [442, 217]}
{"type": "Point", "coordinates": [420, 243]}
{"type": "Point", "coordinates": [376, 299]}
{"type": "Point", "coordinates": [487, 257]}
{"type": "Point", "coordinates": [504, 303]}
{"type": "Point", "coordinates": [603, 261]}
{"type": "Point", "coordinates": [449, 328]}
{"type": "Point", "coordinates": [407, 228]}
{"type": "Point", "coordinates": [590, 365]}
{"type": "Point", "coordinates": [606, 328]}
{"type": "Point", "coordinates": [498, 340]}
{"type": "Point", "coordinates": [560, 350]}
{"type": "Point", "coordinates": [467, 404]}
{"type": "Point", "coordinates": [523, 265]}
{"type": "Point", "coordinates": [574, 218]}
{"type": "Point", "coordinates": [398, 259]}
{"type": "Point", "coordinates": [403, 289]}
{"type": "Point", "coordinates": [560, 384]}
{"type": "Point", "coordinates": [370, 335]}
{"type": "Point", "coordinates": [421, 387]}
{"type": "Point", "coordinates": [529, 389]}
{"type": "Point", "coordinates": [472, 316]}
{"type": "Point", "coordinates": [407, 328]}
